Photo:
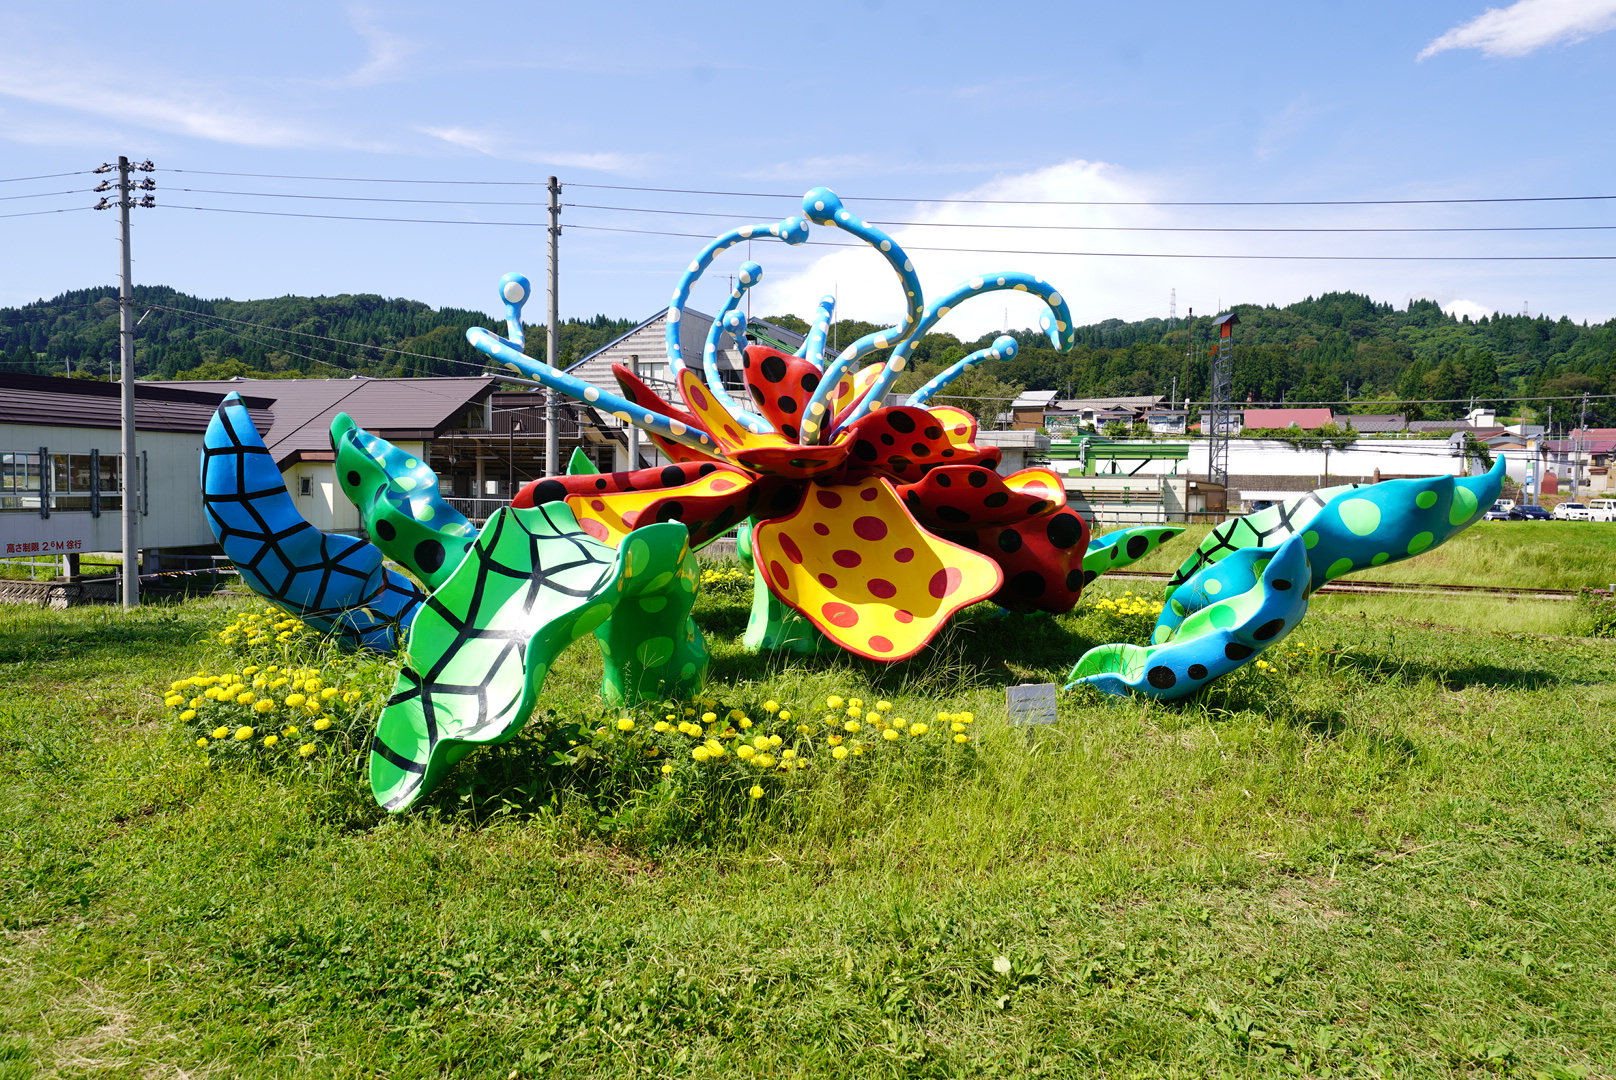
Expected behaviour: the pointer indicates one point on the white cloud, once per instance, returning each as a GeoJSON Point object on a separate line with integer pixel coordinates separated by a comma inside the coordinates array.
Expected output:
{"type": "Point", "coordinates": [1460, 308]}
{"type": "Point", "coordinates": [498, 146]}
{"type": "Point", "coordinates": [1528, 25]}
{"type": "Point", "coordinates": [388, 51]}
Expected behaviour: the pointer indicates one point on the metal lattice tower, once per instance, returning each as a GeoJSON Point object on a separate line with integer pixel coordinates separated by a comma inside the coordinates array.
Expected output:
{"type": "Point", "coordinates": [1218, 414]}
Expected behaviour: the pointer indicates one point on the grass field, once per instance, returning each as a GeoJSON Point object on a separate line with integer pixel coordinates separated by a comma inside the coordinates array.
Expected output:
{"type": "Point", "coordinates": [1393, 856]}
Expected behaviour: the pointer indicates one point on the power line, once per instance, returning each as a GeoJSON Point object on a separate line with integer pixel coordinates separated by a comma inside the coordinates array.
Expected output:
{"type": "Point", "coordinates": [363, 179]}
{"type": "Point", "coordinates": [41, 195]}
{"type": "Point", "coordinates": [353, 217]}
{"type": "Point", "coordinates": [36, 213]}
{"type": "Point", "coordinates": [364, 198]}
{"type": "Point", "coordinates": [46, 176]}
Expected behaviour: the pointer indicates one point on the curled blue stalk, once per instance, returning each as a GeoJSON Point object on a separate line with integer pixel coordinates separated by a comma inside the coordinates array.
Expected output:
{"type": "Point", "coordinates": [824, 207]}
{"type": "Point", "coordinates": [732, 319]}
{"type": "Point", "coordinates": [793, 230]}
{"type": "Point", "coordinates": [514, 289]}
{"type": "Point", "coordinates": [502, 352]}
{"type": "Point", "coordinates": [1004, 347]}
{"type": "Point", "coordinates": [813, 346]}
{"type": "Point", "coordinates": [1056, 323]}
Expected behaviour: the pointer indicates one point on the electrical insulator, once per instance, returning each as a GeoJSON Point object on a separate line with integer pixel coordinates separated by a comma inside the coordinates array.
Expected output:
{"type": "Point", "coordinates": [102, 205]}
{"type": "Point", "coordinates": [148, 184]}
{"type": "Point", "coordinates": [146, 166]}
{"type": "Point", "coordinates": [150, 200]}
{"type": "Point", "coordinates": [104, 168]}
{"type": "Point", "coordinates": [104, 185]}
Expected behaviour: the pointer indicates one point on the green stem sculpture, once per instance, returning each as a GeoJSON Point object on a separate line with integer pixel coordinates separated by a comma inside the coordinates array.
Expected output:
{"type": "Point", "coordinates": [774, 624]}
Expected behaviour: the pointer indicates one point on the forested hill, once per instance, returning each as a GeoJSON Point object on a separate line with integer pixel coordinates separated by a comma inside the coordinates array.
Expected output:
{"type": "Point", "coordinates": [288, 337]}
{"type": "Point", "coordinates": [1328, 348]}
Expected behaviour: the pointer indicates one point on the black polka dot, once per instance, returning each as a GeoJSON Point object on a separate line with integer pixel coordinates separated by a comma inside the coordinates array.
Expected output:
{"type": "Point", "coordinates": [919, 449]}
{"type": "Point", "coordinates": [987, 463]}
{"type": "Point", "coordinates": [1161, 677]}
{"type": "Point", "coordinates": [548, 491]}
{"type": "Point", "coordinates": [1064, 530]}
{"type": "Point", "coordinates": [912, 498]}
{"type": "Point", "coordinates": [1028, 583]}
{"type": "Point", "coordinates": [385, 530]}
{"type": "Point", "coordinates": [1010, 541]}
{"type": "Point", "coordinates": [1236, 651]}
{"type": "Point", "coordinates": [1089, 576]}
{"type": "Point", "coordinates": [787, 404]}
{"type": "Point", "coordinates": [1074, 580]}
{"type": "Point", "coordinates": [951, 514]}
{"type": "Point", "coordinates": [1137, 546]}
{"type": "Point", "coordinates": [864, 450]}
{"type": "Point", "coordinates": [997, 499]}
{"type": "Point", "coordinates": [429, 555]}
{"type": "Point", "coordinates": [673, 511]}
{"type": "Point", "coordinates": [470, 544]}
{"type": "Point", "coordinates": [898, 463]}
{"type": "Point", "coordinates": [809, 382]}
{"type": "Point", "coordinates": [353, 478]}
{"type": "Point", "coordinates": [672, 476]}
{"type": "Point", "coordinates": [600, 485]}
{"type": "Point", "coordinates": [944, 480]}
{"type": "Point", "coordinates": [784, 501]}
{"type": "Point", "coordinates": [965, 538]}
{"type": "Point", "coordinates": [1281, 584]}
{"type": "Point", "coordinates": [1037, 507]}
{"type": "Point", "coordinates": [1269, 629]}
{"type": "Point", "coordinates": [901, 422]}
{"type": "Point", "coordinates": [933, 432]}
{"type": "Point", "coordinates": [949, 452]}
{"type": "Point", "coordinates": [773, 368]}
{"type": "Point", "coordinates": [789, 431]}
{"type": "Point", "coordinates": [887, 439]}
{"type": "Point", "coordinates": [757, 395]}
{"type": "Point", "coordinates": [1164, 537]}
{"type": "Point", "coordinates": [977, 479]}
{"type": "Point", "coordinates": [706, 468]}
{"type": "Point", "coordinates": [1197, 671]}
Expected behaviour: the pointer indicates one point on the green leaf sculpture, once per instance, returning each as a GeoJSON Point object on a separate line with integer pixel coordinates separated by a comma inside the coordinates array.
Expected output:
{"type": "Point", "coordinates": [479, 651]}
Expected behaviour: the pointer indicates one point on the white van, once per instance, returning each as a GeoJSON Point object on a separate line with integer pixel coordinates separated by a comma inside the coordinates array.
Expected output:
{"type": "Point", "coordinates": [1602, 509]}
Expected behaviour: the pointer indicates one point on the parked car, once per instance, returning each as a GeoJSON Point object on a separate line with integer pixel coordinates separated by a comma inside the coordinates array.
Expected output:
{"type": "Point", "coordinates": [1602, 509]}
{"type": "Point", "coordinates": [1572, 511]}
{"type": "Point", "coordinates": [1530, 513]}
{"type": "Point", "coordinates": [1500, 510]}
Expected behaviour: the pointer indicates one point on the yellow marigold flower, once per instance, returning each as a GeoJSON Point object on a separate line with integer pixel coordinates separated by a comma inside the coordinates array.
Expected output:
{"type": "Point", "coordinates": [956, 727]}
{"type": "Point", "coordinates": [856, 703]}
{"type": "Point", "coordinates": [625, 724]}
{"type": "Point", "coordinates": [785, 714]}
{"type": "Point", "coordinates": [854, 710]}
{"type": "Point", "coordinates": [835, 740]}
{"type": "Point", "coordinates": [322, 724]}
{"type": "Point", "coordinates": [708, 717]}
{"type": "Point", "coordinates": [247, 671]}
{"type": "Point", "coordinates": [775, 740]}
{"type": "Point", "coordinates": [661, 725]}
{"type": "Point", "coordinates": [177, 685]}
{"type": "Point", "coordinates": [852, 726]}
{"type": "Point", "coordinates": [220, 732]}
{"type": "Point", "coordinates": [763, 761]}
{"type": "Point", "coordinates": [289, 730]}
{"type": "Point", "coordinates": [195, 703]}
{"type": "Point", "coordinates": [246, 697]}
{"type": "Point", "coordinates": [715, 748]}
{"type": "Point", "coordinates": [188, 715]}
{"type": "Point", "coordinates": [787, 755]}
{"type": "Point", "coordinates": [962, 738]}
{"type": "Point", "coordinates": [243, 733]}
{"type": "Point", "coordinates": [918, 729]}
{"type": "Point", "coordinates": [328, 693]}
{"type": "Point", "coordinates": [883, 706]}
{"type": "Point", "coordinates": [173, 701]}
{"type": "Point", "coordinates": [771, 706]}
{"type": "Point", "coordinates": [276, 684]}
{"type": "Point", "coordinates": [259, 682]}
{"type": "Point", "coordinates": [667, 769]}
{"type": "Point", "coordinates": [839, 753]}
{"type": "Point", "coordinates": [700, 753]}
{"type": "Point", "coordinates": [943, 718]}
{"type": "Point", "coordinates": [306, 749]}
{"type": "Point", "coordinates": [834, 702]}
{"type": "Point", "coordinates": [744, 752]}
{"type": "Point", "coordinates": [264, 705]}
{"type": "Point", "coordinates": [966, 718]}
{"type": "Point", "coordinates": [271, 740]}
{"type": "Point", "coordinates": [756, 792]}
{"type": "Point", "coordinates": [312, 707]}
{"type": "Point", "coordinates": [745, 723]}
{"type": "Point", "coordinates": [351, 696]}
{"type": "Point", "coordinates": [211, 692]}
{"type": "Point", "coordinates": [201, 742]}
{"type": "Point", "coordinates": [736, 714]}
{"type": "Point", "coordinates": [890, 734]}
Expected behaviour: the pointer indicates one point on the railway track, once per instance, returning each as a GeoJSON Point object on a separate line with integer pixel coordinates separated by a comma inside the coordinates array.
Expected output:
{"type": "Point", "coordinates": [1428, 588]}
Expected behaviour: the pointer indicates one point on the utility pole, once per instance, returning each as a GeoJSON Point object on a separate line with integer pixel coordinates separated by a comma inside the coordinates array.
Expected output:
{"type": "Point", "coordinates": [126, 348]}
{"type": "Point", "coordinates": [552, 337]}
{"type": "Point", "coordinates": [1576, 444]}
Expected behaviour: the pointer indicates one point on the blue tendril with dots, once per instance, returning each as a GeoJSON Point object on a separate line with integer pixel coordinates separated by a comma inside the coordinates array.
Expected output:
{"type": "Point", "coordinates": [733, 320]}
{"type": "Point", "coordinates": [813, 346]}
{"type": "Point", "coordinates": [1004, 347]}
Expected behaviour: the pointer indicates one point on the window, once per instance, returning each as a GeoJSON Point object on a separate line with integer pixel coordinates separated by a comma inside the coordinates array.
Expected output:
{"type": "Point", "coordinates": [305, 485]}
{"type": "Point", "coordinates": [65, 482]}
{"type": "Point", "coordinates": [19, 482]}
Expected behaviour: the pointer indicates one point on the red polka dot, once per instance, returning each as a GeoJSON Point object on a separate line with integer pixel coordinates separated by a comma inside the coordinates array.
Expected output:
{"type": "Point", "coordinates": [597, 505]}
{"type": "Point", "coordinates": [903, 616]}
{"type": "Point", "coordinates": [827, 581]}
{"type": "Point", "coordinates": [789, 546]}
{"type": "Point", "coordinates": [594, 528]}
{"type": "Point", "coordinates": [944, 582]}
{"type": "Point", "coordinates": [880, 644]}
{"type": "Point", "coordinates": [869, 494]}
{"type": "Point", "coordinates": [697, 398]}
{"type": "Point", "coordinates": [870, 528]}
{"type": "Point", "coordinates": [723, 485]}
{"type": "Point", "coordinates": [882, 588]}
{"type": "Point", "coordinates": [847, 558]}
{"type": "Point", "coordinates": [821, 528]}
{"type": "Point", "coordinates": [779, 574]}
{"type": "Point", "coordinates": [838, 614]}
{"type": "Point", "coordinates": [904, 554]}
{"type": "Point", "coordinates": [829, 499]}
{"type": "Point", "coordinates": [731, 434]}
{"type": "Point", "coordinates": [959, 429]}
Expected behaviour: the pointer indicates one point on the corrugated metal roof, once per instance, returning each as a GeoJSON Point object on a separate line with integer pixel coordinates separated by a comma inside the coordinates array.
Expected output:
{"type": "Point", "coordinates": [302, 411]}
{"type": "Point", "coordinates": [82, 403]}
{"type": "Point", "coordinates": [1306, 419]}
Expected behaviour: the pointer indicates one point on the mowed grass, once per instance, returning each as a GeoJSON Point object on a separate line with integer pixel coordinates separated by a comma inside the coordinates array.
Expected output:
{"type": "Point", "coordinates": [1394, 856]}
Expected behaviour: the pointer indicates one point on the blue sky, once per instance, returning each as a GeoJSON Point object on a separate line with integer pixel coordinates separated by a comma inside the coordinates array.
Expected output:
{"type": "Point", "coordinates": [880, 98]}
